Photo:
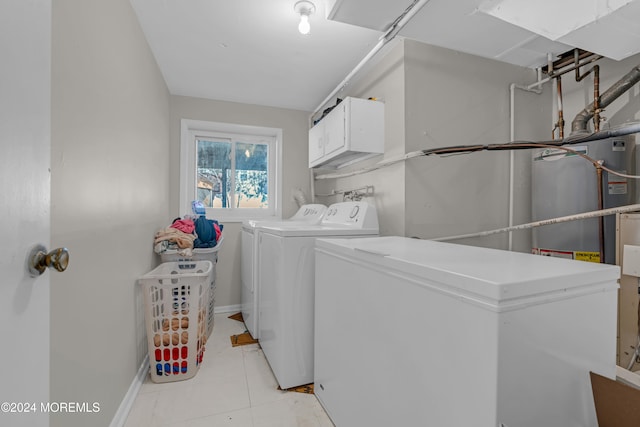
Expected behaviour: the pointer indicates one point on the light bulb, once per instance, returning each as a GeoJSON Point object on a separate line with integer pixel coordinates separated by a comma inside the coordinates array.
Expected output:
{"type": "Point", "coordinates": [304, 26]}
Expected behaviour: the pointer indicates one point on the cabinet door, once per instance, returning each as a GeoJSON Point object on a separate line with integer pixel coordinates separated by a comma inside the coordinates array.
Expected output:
{"type": "Point", "coordinates": [334, 129]}
{"type": "Point", "coordinates": [316, 142]}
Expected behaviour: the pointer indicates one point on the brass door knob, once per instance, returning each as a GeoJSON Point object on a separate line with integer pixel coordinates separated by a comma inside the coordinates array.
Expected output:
{"type": "Point", "coordinates": [39, 260]}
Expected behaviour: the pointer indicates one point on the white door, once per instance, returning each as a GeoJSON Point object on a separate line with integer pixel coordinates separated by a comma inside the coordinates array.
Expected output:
{"type": "Point", "coordinates": [25, 112]}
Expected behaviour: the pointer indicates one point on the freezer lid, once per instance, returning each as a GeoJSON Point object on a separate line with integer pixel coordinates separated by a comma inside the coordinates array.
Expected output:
{"type": "Point", "coordinates": [474, 271]}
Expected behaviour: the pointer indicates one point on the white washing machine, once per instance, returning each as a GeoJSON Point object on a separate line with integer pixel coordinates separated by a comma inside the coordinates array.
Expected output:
{"type": "Point", "coordinates": [286, 274]}
{"type": "Point", "coordinates": [307, 214]}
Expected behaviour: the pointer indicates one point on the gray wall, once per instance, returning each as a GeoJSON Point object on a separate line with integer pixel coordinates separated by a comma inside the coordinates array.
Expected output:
{"type": "Point", "coordinates": [383, 79]}
{"type": "Point", "coordinates": [110, 192]}
{"type": "Point", "coordinates": [436, 97]}
{"type": "Point", "coordinates": [295, 173]}
{"type": "Point", "coordinates": [459, 99]}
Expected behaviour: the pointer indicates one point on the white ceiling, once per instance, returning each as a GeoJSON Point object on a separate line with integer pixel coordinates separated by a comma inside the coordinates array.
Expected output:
{"type": "Point", "coordinates": [250, 51]}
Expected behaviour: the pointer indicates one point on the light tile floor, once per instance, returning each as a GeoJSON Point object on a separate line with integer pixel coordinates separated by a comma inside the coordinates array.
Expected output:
{"type": "Point", "coordinates": [234, 387]}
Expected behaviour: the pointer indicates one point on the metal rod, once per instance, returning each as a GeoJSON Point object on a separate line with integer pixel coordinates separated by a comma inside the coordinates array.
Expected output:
{"type": "Point", "coordinates": [336, 192]}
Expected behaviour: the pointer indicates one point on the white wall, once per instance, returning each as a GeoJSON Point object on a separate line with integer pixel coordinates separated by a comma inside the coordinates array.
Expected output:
{"type": "Point", "coordinates": [295, 173]}
{"type": "Point", "coordinates": [110, 192]}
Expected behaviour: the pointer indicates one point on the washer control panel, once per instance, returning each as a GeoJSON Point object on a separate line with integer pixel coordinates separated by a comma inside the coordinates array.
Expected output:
{"type": "Point", "coordinates": [349, 213]}
{"type": "Point", "coordinates": [310, 213]}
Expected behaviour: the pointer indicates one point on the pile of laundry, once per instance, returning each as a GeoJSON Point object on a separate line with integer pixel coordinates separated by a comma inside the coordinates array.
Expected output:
{"type": "Point", "coordinates": [188, 233]}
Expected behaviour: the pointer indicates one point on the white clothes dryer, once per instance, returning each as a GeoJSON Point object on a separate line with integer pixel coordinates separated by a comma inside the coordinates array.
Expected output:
{"type": "Point", "coordinates": [307, 214]}
{"type": "Point", "coordinates": [286, 275]}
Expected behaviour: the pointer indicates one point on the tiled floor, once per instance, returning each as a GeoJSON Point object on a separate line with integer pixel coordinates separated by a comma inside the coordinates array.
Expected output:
{"type": "Point", "coordinates": [234, 387]}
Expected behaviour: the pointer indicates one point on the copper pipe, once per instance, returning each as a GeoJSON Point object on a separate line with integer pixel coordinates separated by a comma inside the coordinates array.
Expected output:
{"type": "Point", "coordinates": [596, 90]}
{"type": "Point", "coordinates": [567, 58]}
{"type": "Point", "coordinates": [578, 76]}
{"type": "Point", "coordinates": [560, 123]}
{"type": "Point", "coordinates": [600, 207]}
{"type": "Point", "coordinates": [596, 98]}
{"type": "Point", "coordinates": [559, 72]}
{"type": "Point", "coordinates": [579, 124]}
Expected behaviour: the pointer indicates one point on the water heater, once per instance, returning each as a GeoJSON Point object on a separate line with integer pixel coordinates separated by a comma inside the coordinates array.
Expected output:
{"type": "Point", "coordinates": [563, 183]}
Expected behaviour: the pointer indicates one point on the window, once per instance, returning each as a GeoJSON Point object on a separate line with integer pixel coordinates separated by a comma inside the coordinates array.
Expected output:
{"type": "Point", "coordinates": [232, 169]}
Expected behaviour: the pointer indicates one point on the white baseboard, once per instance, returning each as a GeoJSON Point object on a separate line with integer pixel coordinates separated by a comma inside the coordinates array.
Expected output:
{"type": "Point", "coordinates": [125, 406]}
{"type": "Point", "coordinates": [227, 309]}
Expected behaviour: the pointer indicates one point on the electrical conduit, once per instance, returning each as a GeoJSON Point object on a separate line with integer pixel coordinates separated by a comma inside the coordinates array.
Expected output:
{"type": "Point", "coordinates": [389, 35]}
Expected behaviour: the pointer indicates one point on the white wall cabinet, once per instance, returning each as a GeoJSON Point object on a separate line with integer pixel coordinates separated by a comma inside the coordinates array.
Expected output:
{"type": "Point", "coordinates": [352, 131]}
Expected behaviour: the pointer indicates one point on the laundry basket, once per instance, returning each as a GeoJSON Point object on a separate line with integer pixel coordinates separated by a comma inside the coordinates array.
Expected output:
{"type": "Point", "coordinates": [200, 254]}
{"type": "Point", "coordinates": [176, 296]}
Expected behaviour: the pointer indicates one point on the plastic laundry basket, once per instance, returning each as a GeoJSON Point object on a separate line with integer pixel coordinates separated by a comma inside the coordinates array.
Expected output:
{"type": "Point", "coordinates": [200, 254]}
{"type": "Point", "coordinates": [176, 304]}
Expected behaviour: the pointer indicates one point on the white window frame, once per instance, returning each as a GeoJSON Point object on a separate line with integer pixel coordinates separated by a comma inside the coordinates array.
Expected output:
{"type": "Point", "coordinates": [192, 129]}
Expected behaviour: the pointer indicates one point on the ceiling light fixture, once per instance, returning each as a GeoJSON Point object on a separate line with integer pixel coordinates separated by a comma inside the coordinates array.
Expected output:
{"type": "Point", "coordinates": [304, 9]}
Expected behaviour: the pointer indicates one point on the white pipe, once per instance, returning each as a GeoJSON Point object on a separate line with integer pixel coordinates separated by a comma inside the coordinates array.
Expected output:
{"type": "Point", "coordinates": [377, 166]}
{"type": "Point", "coordinates": [512, 136]}
{"type": "Point", "coordinates": [353, 72]}
{"type": "Point", "coordinates": [537, 84]}
{"type": "Point", "coordinates": [313, 185]}
{"type": "Point", "coordinates": [389, 35]}
{"type": "Point", "coordinates": [404, 19]}
{"type": "Point", "coordinates": [585, 215]}
{"type": "Point", "coordinates": [512, 156]}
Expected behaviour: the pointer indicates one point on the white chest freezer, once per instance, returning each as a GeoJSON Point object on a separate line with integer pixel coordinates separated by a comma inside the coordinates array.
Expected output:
{"type": "Point", "coordinates": [419, 333]}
